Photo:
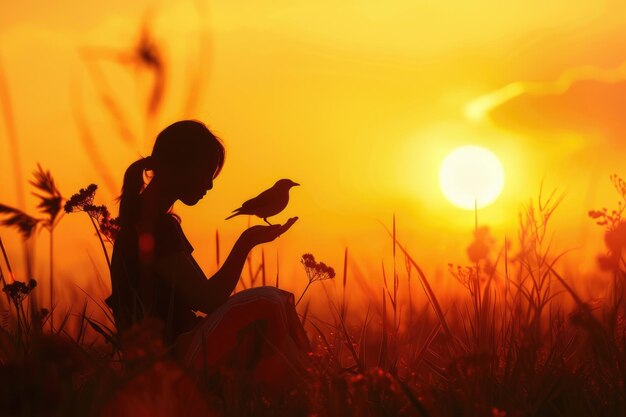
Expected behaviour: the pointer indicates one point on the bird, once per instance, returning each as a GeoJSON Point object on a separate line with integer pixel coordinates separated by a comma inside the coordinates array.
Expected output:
{"type": "Point", "coordinates": [269, 203]}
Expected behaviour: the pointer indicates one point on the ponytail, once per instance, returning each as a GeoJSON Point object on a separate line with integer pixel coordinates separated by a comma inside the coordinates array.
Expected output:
{"type": "Point", "coordinates": [133, 184]}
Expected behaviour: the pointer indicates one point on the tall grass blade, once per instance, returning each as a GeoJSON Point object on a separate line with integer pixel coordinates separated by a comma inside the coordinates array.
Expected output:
{"type": "Point", "coordinates": [217, 248]}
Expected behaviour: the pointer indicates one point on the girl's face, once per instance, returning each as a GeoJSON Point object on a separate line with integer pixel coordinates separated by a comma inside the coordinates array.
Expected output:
{"type": "Point", "coordinates": [196, 182]}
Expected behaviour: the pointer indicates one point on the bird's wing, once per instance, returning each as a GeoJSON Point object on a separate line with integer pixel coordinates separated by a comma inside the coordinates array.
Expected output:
{"type": "Point", "coordinates": [263, 199]}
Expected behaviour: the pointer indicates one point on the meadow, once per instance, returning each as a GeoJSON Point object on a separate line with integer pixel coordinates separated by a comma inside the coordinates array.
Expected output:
{"type": "Point", "coordinates": [519, 338]}
{"type": "Point", "coordinates": [519, 341]}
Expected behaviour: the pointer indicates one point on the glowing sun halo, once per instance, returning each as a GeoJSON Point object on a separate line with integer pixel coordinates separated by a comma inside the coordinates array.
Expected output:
{"type": "Point", "coordinates": [469, 174]}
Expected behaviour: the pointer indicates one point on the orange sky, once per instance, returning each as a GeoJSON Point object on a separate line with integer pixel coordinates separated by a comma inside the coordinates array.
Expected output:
{"type": "Point", "coordinates": [357, 101]}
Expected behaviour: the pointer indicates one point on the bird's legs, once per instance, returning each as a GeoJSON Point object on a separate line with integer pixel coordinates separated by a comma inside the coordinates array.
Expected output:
{"type": "Point", "coordinates": [265, 219]}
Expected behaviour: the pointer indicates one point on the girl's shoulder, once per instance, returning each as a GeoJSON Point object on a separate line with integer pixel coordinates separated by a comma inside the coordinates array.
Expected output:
{"type": "Point", "coordinates": [164, 235]}
{"type": "Point", "coordinates": [169, 236]}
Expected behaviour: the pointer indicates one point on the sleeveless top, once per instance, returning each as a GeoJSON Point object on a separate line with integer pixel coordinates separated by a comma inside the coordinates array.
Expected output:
{"type": "Point", "coordinates": [137, 290]}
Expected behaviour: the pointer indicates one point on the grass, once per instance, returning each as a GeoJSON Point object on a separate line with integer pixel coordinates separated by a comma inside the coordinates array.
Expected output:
{"type": "Point", "coordinates": [520, 342]}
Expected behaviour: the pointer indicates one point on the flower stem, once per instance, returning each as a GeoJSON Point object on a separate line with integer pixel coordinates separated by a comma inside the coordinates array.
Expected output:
{"type": "Point", "coordinates": [104, 249]}
{"type": "Point", "coordinates": [303, 292]}
{"type": "Point", "coordinates": [19, 325]}
{"type": "Point", "coordinates": [6, 260]}
{"type": "Point", "coordinates": [51, 281]}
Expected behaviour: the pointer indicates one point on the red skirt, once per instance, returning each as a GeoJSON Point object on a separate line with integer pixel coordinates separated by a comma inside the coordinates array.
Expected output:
{"type": "Point", "coordinates": [256, 331]}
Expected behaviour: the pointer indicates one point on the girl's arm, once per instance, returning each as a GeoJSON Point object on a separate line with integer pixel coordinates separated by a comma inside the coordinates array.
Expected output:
{"type": "Point", "coordinates": [187, 279]}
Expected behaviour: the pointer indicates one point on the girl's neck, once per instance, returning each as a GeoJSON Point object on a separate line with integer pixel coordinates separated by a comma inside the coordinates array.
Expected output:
{"type": "Point", "coordinates": [156, 200]}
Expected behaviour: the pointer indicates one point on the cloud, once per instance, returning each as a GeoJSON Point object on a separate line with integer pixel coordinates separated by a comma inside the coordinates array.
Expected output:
{"type": "Point", "coordinates": [582, 94]}
{"type": "Point", "coordinates": [586, 100]}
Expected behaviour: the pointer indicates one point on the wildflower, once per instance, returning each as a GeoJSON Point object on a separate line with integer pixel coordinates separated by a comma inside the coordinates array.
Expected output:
{"type": "Point", "coordinates": [605, 218]}
{"type": "Point", "coordinates": [99, 215]}
{"type": "Point", "coordinates": [308, 260]}
{"type": "Point", "coordinates": [81, 199]}
{"type": "Point", "coordinates": [615, 226]}
{"type": "Point", "coordinates": [315, 271]}
{"type": "Point", "coordinates": [110, 227]}
{"type": "Point", "coordinates": [465, 275]}
{"type": "Point", "coordinates": [18, 291]}
{"type": "Point", "coordinates": [619, 184]}
{"type": "Point", "coordinates": [480, 248]}
{"type": "Point", "coordinates": [96, 212]}
{"type": "Point", "coordinates": [611, 220]}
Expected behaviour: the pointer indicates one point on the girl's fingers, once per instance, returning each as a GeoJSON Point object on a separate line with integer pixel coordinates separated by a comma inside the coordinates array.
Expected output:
{"type": "Point", "coordinates": [289, 223]}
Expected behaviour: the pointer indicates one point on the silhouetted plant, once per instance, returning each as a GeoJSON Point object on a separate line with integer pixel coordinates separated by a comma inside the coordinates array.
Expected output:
{"type": "Point", "coordinates": [465, 275]}
{"type": "Point", "coordinates": [50, 197]}
{"type": "Point", "coordinates": [99, 216]}
{"type": "Point", "coordinates": [615, 227]}
{"type": "Point", "coordinates": [615, 240]}
{"type": "Point", "coordinates": [17, 291]}
{"type": "Point", "coordinates": [315, 271]}
{"type": "Point", "coordinates": [24, 223]}
{"type": "Point", "coordinates": [50, 200]}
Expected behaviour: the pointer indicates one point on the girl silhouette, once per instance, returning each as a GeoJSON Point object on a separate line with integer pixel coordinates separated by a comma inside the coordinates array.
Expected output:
{"type": "Point", "coordinates": [154, 274]}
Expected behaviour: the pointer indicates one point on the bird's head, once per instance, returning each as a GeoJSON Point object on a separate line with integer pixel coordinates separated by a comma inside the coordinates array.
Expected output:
{"type": "Point", "coordinates": [285, 184]}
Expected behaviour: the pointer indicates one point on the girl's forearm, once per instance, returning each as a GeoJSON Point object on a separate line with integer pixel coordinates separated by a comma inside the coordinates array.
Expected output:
{"type": "Point", "coordinates": [223, 283]}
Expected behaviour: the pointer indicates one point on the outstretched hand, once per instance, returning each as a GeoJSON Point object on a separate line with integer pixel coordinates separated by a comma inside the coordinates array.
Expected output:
{"type": "Point", "coordinates": [256, 235]}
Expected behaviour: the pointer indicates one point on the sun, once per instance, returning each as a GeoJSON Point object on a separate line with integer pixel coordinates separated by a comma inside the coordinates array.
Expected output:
{"type": "Point", "coordinates": [471, 175]}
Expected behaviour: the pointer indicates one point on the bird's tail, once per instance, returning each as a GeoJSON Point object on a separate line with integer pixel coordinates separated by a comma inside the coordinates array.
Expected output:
{"type": "Point", "coordinates": [233, 215]}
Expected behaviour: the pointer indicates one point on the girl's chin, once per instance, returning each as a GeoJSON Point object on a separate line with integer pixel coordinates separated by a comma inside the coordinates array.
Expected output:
{"type": "Point", "coordinates": [191, 201]}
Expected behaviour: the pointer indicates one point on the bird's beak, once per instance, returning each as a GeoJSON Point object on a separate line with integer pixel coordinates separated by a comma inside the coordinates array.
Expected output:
{"type": "Point", "coordinates": [294, 184]}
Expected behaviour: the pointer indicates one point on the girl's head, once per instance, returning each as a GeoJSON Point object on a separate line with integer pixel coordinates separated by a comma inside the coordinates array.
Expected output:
{"type": "Point", "coordinates": [186, 158]}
